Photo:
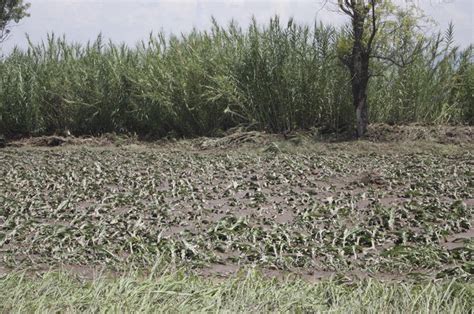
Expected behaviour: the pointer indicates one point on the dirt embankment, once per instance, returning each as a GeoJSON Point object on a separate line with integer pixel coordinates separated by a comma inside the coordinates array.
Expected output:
{"type": "Point", "coordinates": [378, 133]}
{"type": "Point", "coordinates": [438, 134]}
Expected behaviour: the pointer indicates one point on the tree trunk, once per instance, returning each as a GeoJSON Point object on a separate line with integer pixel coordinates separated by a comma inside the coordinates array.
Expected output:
{"type": "Point", "coordinates": [362, 117]}
{"type": "Point", "coordinates": [360, 82]}
{"type": "Point", "coordinates": [359, 68]}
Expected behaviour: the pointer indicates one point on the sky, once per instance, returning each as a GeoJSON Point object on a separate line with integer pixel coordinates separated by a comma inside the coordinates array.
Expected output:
{"type": "Point", "coordinates": [132, 20]}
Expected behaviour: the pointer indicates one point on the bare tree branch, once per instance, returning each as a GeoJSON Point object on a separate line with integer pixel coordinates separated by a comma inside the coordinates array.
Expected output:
{"type": "Point", "coordinates": [345, 5]}
{"type": "Point", "coordinates": [374, 28]}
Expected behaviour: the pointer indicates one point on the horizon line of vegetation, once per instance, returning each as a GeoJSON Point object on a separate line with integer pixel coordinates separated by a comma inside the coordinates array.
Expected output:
{"type": "Point", "coordinates": [269, 77]}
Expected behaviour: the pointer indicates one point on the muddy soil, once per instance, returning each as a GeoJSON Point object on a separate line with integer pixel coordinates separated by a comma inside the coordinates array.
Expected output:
{"type": "Point", "coordinates": [291, 206]}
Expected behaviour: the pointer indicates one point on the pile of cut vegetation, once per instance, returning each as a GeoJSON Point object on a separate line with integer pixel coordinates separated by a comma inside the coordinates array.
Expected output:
{"type": "Point", "coordinates": [435, 133]}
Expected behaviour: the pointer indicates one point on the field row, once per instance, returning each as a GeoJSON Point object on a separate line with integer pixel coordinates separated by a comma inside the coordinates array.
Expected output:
{"type": "Point", "coordinates": [312, 213]}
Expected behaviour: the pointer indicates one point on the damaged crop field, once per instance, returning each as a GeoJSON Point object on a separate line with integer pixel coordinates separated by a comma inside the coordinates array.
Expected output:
{"type": "Point", "coordinates": [289, 166]}
{"type": "Point", "coordinates": [208, 223]}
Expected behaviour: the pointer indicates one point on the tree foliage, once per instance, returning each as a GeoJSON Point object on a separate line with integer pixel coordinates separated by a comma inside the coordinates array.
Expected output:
{"type": "Point", "coordinates": [11, 11]}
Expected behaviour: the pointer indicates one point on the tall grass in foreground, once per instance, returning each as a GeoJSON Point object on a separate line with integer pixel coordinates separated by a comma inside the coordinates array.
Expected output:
{"type": "Point", "coordinates": [56, 292]}
{"type": "Point", "coordinates": [272, 77]}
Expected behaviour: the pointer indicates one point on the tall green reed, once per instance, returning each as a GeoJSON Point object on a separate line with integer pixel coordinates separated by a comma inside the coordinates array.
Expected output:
{"type": "Point", "coordinates": [278, 77]}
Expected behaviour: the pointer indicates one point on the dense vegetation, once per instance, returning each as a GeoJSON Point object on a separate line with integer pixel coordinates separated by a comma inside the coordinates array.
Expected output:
{"type": "Point", "coordinates": [273, 77]}
{"type": "Point", "coordinates": [248, 293]}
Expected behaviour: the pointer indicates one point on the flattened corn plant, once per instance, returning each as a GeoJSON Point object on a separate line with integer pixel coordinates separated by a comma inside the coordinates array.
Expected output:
{"type": "Point", "coordinates": [335, 211]}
